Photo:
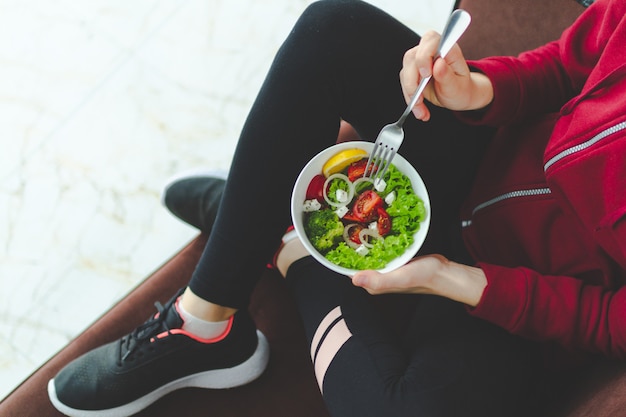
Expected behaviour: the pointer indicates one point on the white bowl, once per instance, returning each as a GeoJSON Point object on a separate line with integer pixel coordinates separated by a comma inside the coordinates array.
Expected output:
{"type": "Point", "coordinates": [314, 167]}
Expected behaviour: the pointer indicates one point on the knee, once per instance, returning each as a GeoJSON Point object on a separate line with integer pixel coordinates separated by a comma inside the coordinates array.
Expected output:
{"type": "Point", "coordinates": [333, 31]}
{"type": "Point", "coordinates": [330, 9]}
{"type": "Point", "coordinates": [333, 16]}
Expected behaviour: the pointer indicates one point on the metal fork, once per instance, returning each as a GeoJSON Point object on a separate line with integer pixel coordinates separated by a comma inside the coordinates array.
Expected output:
{"type": "Point", "coordinates": [391, 136]}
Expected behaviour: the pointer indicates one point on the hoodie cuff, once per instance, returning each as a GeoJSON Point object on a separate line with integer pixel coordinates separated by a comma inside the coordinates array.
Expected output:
{"type": "Point", "coordinates": [504, 298]}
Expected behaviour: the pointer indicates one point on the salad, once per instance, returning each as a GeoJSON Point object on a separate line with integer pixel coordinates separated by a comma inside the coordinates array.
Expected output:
{"type": "Point", "coordinates": [355, 222]}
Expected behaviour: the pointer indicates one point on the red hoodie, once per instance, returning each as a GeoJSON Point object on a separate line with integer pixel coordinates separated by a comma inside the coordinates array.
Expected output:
{"type": "Point", "coordinates": [546, 219]}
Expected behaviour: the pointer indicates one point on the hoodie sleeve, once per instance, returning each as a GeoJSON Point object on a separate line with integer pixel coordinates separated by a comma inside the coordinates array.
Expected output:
{"type": "Point", "coordinates": [555, 308]}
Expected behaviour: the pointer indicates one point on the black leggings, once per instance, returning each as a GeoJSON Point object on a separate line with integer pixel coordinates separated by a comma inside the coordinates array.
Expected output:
{"type": "Point", "coordinates": [341, 61]}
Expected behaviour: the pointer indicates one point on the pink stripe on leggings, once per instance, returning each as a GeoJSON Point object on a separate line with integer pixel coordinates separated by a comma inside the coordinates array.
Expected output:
{"type": "Point", "coordinates": [336, 337]}
{"type": "Point", "coordinates": [333, 315]}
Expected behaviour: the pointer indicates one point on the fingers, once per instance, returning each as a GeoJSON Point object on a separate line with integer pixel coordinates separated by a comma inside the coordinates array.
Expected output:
{"type": "Point", "coordinates": [415, 277]}
{"type": "Point", "coordinates": [419, 59]}
{"type": "Point", "coordinates": [417, 64]}
{"type": "Point", "coordinates": [450, 75]}
{"type": "Point", "coordinates": [369, 280]}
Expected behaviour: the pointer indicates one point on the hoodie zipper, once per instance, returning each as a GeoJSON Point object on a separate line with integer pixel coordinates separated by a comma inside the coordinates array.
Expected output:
{"type": "Point", "coordinates": [506, 196]}
{"type": "Point", "coordinates": [588, 143]}
{"type": "Point", "coordinates": [561, 155]}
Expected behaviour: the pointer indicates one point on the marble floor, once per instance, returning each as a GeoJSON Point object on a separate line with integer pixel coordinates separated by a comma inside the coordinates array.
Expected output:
{"type": "Point", "coordinates": [101, 102]}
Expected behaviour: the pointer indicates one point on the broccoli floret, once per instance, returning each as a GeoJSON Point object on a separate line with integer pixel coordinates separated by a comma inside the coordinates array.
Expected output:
{"type": "Point", "coordinates": [324, 229]}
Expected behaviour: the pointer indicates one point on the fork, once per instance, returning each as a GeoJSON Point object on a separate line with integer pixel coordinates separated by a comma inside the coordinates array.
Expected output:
{"type": "Point", "coordinates": [391, 136]}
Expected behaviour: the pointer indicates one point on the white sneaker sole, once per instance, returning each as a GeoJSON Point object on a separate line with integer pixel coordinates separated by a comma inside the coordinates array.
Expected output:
{"type": "Point", "coordinates": [236, 376]}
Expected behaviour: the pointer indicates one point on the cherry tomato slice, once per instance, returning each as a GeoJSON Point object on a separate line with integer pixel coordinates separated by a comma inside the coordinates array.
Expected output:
{"type": "Point", "coordinates": [350, 217]}
{"type": "Point", "coordinates": [383, 222]}
{"type": "Point", "coordinates": [366, 205]}
{"type": "Point", "coordinates": [353, 235]}
{"type": "Point", "coordinates": [357, 169]}
{"type": "Point", "coordinates": [315, 190]}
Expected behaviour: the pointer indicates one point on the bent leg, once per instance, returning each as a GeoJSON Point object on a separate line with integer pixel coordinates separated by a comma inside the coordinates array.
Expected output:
{"type": "Point", "coordinates": [341, 60]}
{"type": "Point", "coordinates": [446, 363]}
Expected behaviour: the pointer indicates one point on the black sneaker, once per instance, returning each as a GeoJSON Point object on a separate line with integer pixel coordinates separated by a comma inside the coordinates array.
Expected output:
{"type": "Point", "coordinates": [124, 377]}
{"type": "Point", "coordinates": [194, 197]}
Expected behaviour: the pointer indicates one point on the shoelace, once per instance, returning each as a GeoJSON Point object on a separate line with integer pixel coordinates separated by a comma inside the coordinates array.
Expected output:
{"type": "Point", "coordinates": [153, 326]}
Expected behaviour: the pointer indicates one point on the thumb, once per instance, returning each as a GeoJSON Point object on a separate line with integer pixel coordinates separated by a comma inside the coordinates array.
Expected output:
{"type": "Point", "coordinates": [369, 280]}
{"type": "Point", "coordinates": [451, 75]}
{"type": "Point", "coordinates": [445, 77]}
{"type": "Point", "coordinates": [453, 63]}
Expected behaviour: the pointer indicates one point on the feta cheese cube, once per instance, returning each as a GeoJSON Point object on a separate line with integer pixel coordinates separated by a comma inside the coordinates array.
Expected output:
{"type": "Point", "coordinates": [390, 198]}
{"type": "Point", "coordinates": [311, 205]}
{"type": "Point", "coordinates": [362, 250]}
{"type": "Point", "coordinates": [380, 185]}
{"type": "Point", "coordinates": [341, 211]}
{"type": "Point", "coordinates": [341, 196]}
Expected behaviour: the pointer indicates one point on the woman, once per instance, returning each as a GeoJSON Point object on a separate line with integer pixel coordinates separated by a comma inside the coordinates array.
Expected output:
{"type": "Point", "coordinates": [537, 256]}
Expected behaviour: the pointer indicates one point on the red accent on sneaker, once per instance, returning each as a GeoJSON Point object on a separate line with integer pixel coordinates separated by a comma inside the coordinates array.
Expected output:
{"type": "Point", "coordinates": [272, 265]}
{"type": "Point", "coordinates": [196, 338]}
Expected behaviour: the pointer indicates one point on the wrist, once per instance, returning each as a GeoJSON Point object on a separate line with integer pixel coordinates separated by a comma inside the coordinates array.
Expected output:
{"type": "Point", "coordinates": [461, 283]}
{"type": "Point", "coordinates": [482, 91]}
